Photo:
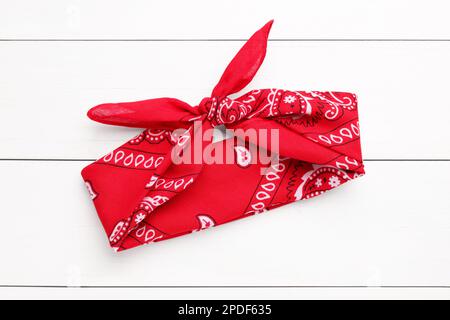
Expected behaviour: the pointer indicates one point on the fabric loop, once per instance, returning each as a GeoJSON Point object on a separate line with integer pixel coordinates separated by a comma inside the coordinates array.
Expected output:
{"type": "Point", "coordinates": [224, 111]}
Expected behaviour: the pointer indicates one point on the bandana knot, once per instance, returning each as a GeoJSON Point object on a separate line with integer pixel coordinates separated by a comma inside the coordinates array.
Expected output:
{"type": "Point", "coordinates": [172, 180]}
{"type": "Point", "coordinates": [224, 110]}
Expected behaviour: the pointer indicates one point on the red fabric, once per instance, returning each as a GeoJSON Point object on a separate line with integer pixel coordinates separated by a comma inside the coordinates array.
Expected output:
{"type": "Point", "coordinates": [141, 196]}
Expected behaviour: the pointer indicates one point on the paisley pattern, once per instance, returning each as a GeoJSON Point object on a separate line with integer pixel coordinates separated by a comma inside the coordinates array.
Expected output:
{"type": "Point", "coordinates": [205, 222]}
{"type": "Point", "coordinates": [133, 159]}
{"type": "Point", "coordinates": [91, 190]}
{"type": "Point", "coordinates": [243, 156]}
{"type": "Point", "coordinates": [224, 111]}
{"type": "Point", "coordinates": [142, 196]}
{"type": "Point", "coordinates": [342, 134]}
{"type": "Point", "coordinates": [154, 136]}
{"type": "Point", "coordinates": [318, 180]}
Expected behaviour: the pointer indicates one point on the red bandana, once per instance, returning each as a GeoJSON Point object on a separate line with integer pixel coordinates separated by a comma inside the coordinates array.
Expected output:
{"type": "Point", "coordinates": [143, 195]}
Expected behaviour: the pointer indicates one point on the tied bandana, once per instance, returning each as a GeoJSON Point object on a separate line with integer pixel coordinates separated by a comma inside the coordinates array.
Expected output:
{"type": "Point", "coordinates": [174, 179]}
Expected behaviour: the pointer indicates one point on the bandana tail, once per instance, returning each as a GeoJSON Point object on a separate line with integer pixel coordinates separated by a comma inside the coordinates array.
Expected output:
{"type": "Point", "coordinates": [241, 70]}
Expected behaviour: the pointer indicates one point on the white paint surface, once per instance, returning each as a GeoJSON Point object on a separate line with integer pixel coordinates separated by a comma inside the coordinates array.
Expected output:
{"type": "Point", "coordinates": [390, 228]}
{"type": "Point", "coordinates": [205, 19]}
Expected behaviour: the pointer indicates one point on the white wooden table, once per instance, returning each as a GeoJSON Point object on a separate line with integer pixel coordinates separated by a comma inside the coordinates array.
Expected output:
{"type": "Point", "coordinates": [383, 236]}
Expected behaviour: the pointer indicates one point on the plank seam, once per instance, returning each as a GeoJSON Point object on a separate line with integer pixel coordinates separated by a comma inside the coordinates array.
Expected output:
{"type": "Point", "coordinates": [207, 287]}
{"type": "Point", "coordinates": [222, 40]}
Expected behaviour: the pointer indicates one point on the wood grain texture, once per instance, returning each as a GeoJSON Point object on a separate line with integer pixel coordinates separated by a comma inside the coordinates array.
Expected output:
{"type": "Point", "coordinates": [204, 19]}
{"type": "Point", "coordinates": [390, 227]}
{"type": "Point", "coordinates": [46, 89]}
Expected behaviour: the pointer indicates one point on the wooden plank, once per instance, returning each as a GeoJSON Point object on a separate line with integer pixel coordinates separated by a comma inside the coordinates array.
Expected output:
{"type": "Point", "coordinates": [220, 293]}
{"type": "Point", "coordinates": [46, 89]}
{"type": "Point", "coordinates": [390, 227]}
{"type": "Point", "coordinates": [202, 19]}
